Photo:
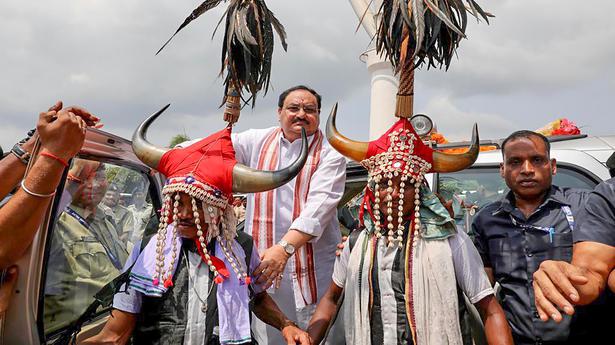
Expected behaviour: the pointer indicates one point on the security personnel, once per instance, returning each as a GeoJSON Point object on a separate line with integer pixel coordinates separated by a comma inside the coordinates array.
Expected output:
{"type": "Point", "coordinates": [574, 285]}
{"type": "Point", "coordinates": [86, 252]}
{"type": "Point", "coordinates": [532, 223]}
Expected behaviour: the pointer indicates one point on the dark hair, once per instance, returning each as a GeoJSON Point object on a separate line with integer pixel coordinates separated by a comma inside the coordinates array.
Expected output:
{"type": "Point", "coordinates": [526, 134]}
{"type": "Point", "coordinates": [610, 163]}
{"type": "Point", "coordinates": [284, 94]}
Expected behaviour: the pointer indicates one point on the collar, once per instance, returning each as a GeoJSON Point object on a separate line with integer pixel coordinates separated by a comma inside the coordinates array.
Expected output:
{"type": "Point", "coordinates": [97, 214]}
{"type": "Point", "coordinates": [555, 195]}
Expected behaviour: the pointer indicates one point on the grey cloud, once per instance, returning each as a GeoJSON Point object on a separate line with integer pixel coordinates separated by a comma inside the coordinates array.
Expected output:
{"type": "Point", "coordinates": [537, 60]}
{"type": "Point", "coordinates": [532, 46]}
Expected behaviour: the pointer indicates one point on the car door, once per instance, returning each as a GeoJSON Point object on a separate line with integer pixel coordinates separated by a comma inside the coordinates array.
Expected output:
{"type": "Point", "coordinates": [98, 215]}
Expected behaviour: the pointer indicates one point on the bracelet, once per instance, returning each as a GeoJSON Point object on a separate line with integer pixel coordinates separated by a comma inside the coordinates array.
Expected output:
{"type": "Point", "coordinates": [23, 186]}
{"type": "Point", "coordinates": [52, 156]}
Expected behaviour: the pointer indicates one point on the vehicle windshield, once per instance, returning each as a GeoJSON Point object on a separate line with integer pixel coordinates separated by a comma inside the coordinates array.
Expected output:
{"type": "Point", "coordinates": [476, 187]}
{"type": "Point", "coordinates": [102, 214]}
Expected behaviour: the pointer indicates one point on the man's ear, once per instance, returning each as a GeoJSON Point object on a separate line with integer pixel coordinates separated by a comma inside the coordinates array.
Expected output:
{"type": "Point", "coordinates": [502, 170]}
{"type": "Point", "coordinates": [279, 114]}
{"type": "Point", "coordinates": [553, 166]}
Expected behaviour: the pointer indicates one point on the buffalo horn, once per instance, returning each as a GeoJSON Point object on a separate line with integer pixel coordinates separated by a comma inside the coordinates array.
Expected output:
{"type": "Point", "coordinates": [355, 150]}
{"type": "Point", "coordinates": [147, 152]}
{"type": "Point", "coordinates": [446, 162]}
{"type": "Point", "coordinates": [248, 180]}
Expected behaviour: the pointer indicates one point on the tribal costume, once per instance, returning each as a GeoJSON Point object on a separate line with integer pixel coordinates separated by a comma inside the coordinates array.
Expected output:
{"type": "Point", "coordinates": [406, 264]}
{"type": "Point", "coordinates": [216, 265]}
{"type": "Point", "coordinates": [410, 270]}
{"type": "Point", "coordinates": [424, 257]}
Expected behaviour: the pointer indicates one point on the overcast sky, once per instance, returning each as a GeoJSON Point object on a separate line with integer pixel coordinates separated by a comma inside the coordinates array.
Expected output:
{"type": "Point", "coordinates": [535, 62]}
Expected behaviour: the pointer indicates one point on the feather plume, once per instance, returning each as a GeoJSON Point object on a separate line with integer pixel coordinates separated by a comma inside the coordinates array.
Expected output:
{"type": "Point", "coordinates": [247, 46]}
{"type": "Point", "coordinates": [435, 29]}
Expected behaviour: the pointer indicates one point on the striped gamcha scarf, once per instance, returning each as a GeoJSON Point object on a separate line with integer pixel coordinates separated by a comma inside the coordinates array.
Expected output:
{"type": "Point", "coordinates": [264, 211]}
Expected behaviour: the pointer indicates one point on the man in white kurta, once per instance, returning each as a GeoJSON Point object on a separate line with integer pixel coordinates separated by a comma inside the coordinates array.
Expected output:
{"type": "Point", "coordinates": [315, 226]}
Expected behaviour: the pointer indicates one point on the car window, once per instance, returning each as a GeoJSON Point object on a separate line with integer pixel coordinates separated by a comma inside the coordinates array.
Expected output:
{"type": "Point", "coordinates": [102, 214]}
{"type": "Point", "coordinates": [476, 187]}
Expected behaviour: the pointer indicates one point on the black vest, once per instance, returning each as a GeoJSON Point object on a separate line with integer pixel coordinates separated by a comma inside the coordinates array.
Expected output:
{"type": "Point", "coordinates": [163, 319]}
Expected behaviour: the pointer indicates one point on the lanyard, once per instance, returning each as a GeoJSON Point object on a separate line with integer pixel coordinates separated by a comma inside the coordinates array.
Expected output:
{"type": "Point", "coordinates": [85, 224]}
{"type": "Point", "coordinates": [569, 217]}
{"type": "Point", "coordinates": [550, 230]}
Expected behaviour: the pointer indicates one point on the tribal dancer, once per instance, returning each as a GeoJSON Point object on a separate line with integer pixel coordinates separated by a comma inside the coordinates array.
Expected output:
{"type": "Point", "coordinates": [193, 282]}
{"type": "Point", "coordinates": [399, 276]}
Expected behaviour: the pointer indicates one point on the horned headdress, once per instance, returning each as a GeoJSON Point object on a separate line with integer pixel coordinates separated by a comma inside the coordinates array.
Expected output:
{"type": "Point", "coordinates": [411, 33]}
{"type": "Point", "coordinates": [208, 172]}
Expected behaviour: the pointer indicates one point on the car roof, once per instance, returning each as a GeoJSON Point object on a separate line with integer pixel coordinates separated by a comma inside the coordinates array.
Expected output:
{"type": "Point", "coordinates": [110, 146]}
{"type": "Point", "coordinates": [599, 147]}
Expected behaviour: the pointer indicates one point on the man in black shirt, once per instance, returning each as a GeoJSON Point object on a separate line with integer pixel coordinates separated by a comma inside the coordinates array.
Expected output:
{"type": "Point", "coordinates": [562, 284]}
{"type": "Point", "coordinates": [532, 223]}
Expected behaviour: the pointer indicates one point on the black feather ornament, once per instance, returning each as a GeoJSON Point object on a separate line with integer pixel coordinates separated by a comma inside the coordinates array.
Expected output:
{"type": "Point", "coordinates": [247, 47]}
{"type": "Point", "coordinates": [434, 29]}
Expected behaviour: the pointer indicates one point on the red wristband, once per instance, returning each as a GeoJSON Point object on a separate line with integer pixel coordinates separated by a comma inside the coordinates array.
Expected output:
{"type": "Point", "coordinates": [52, 156]}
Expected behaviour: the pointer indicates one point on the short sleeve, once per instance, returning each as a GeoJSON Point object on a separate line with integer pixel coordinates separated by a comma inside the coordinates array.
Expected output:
{"type": "Point", "coordinates": [340, 267]}
{"type": "Point", "coordinates": [469, 270]}
{"type": "Point", "coordinates": [129, 300]}
{"type": "Point", "coordinates": [597, 218]}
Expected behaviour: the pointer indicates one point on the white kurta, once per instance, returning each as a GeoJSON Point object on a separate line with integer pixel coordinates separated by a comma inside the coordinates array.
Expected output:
{"type": "Point", "coordinates": [318, 218]}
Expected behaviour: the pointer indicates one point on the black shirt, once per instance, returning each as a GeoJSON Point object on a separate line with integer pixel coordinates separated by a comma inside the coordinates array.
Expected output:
{"type": "Point", "coordinates": [597, 224]}
{"type": "Point", "coordinates": [514, 246]}
{"type": "Point", "coordinates": [597, 218]}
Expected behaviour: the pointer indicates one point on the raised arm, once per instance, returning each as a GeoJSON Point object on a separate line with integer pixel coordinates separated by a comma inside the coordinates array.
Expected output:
{"type": "Point", "coordinates": [558, 284]}
{"type": "Point", "coordinates": [562, 285]}
{"type": "Point", "coordinates": [61, 134]}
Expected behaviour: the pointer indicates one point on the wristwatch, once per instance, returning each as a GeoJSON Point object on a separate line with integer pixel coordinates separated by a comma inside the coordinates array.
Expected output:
{"type": "Point", "coordinates": [20, 153]}
{"type": "Point", "coordinates": [288, 248]}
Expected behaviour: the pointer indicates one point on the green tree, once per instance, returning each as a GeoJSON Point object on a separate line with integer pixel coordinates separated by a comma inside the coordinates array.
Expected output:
{"type": "Point", "coordinates": [179, 138]}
